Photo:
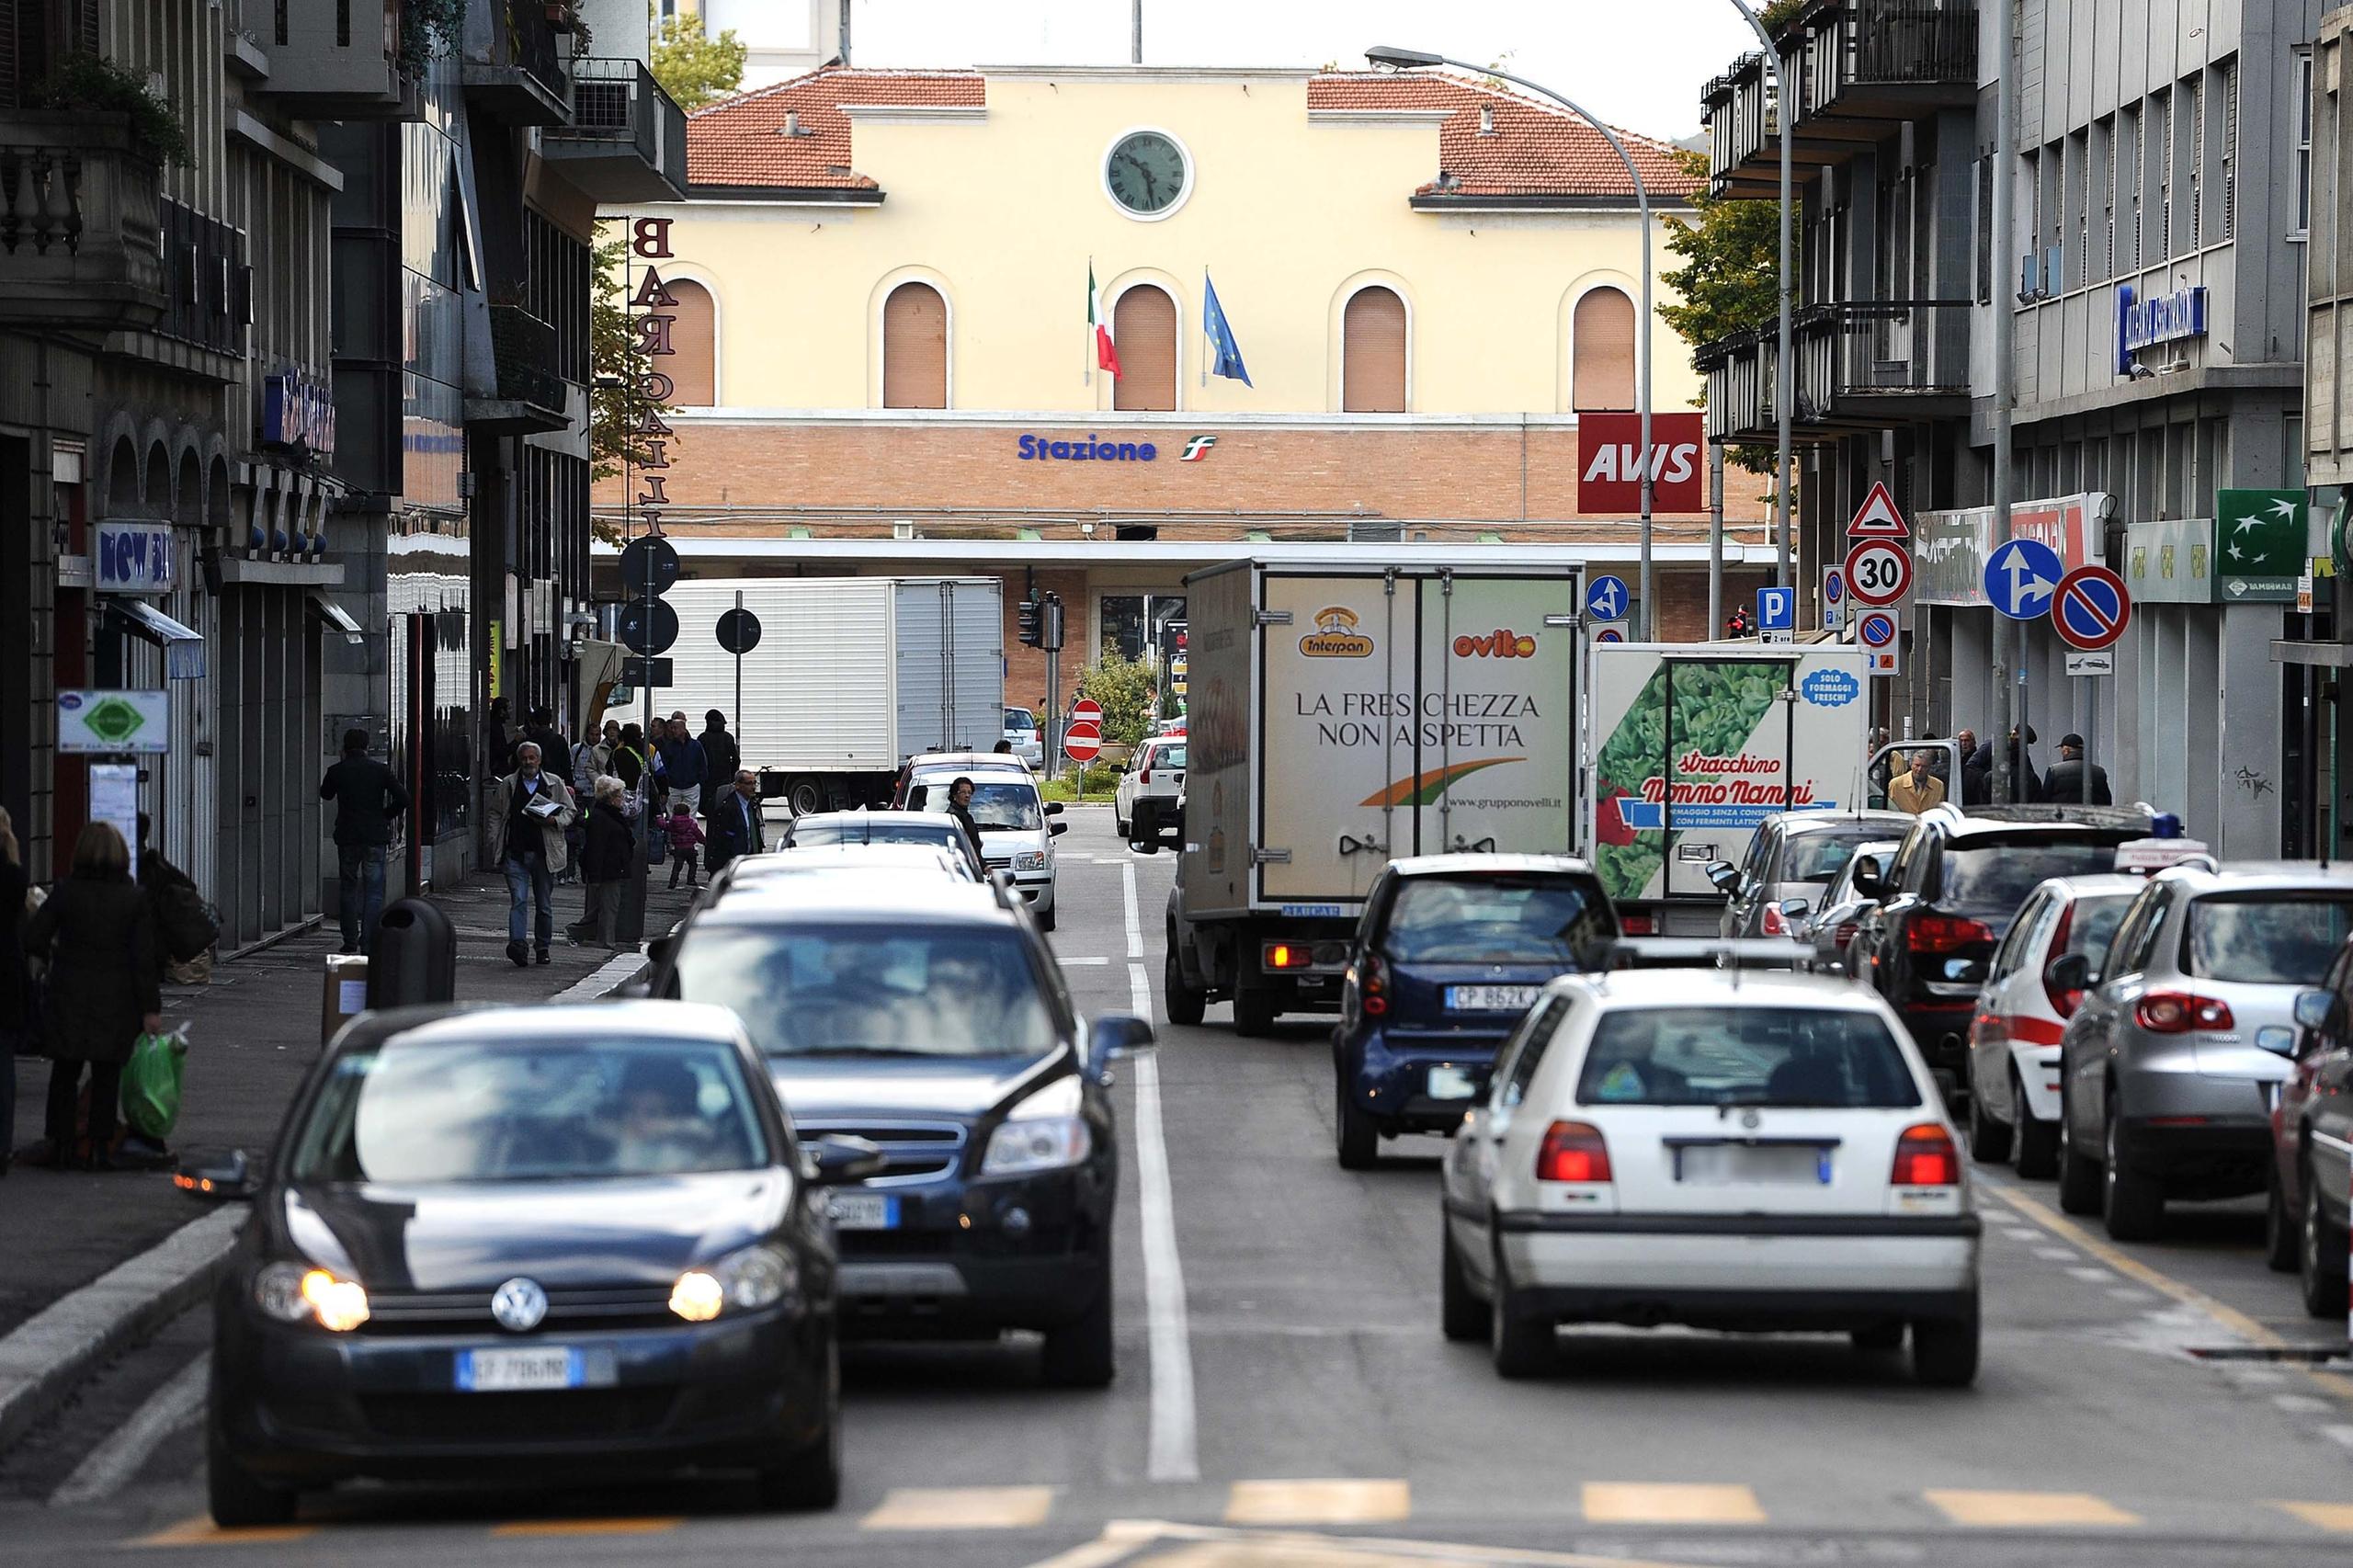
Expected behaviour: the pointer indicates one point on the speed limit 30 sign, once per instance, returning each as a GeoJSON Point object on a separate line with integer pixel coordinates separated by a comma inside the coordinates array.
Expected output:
{"type": "Point", "coordinates": [1879, 570]}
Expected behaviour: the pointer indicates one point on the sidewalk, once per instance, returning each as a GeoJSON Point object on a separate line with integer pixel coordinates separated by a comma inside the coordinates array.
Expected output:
{"type": "Point", "coordinates": [252, 1034]}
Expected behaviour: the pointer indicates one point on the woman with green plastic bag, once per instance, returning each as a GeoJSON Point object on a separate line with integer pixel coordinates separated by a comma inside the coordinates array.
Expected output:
{"type": "Point", "coordinates": [97, 932]}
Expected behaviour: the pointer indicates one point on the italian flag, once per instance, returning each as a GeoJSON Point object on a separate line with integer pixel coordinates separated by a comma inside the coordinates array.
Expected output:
{"type": "Point", "coordinates": [1107, 357]}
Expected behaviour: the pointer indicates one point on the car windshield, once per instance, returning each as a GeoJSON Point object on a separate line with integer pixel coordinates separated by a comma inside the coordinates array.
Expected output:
{"type": "Point", "coordinates": [1819, 855]}
{"type": "Point", "coordinates": [2266, 938]}
{"type": "Point", "coordinates": [885, 828]}
{"type": "Point", "coordinates": [902, 989]}
{"type": "Point", "coordinates": [1168, 757]}
{"type": "Point", "coordinates": [999, 804]}
{"type": "Point", "coordinates": [1989, 880]}
{"type": "Point", "coordinates": [1745, 1055]}
{"type": "Point", "coordinates": [2094, 920]}
{"type": "Point", "coordinates": [410, 1113]}
{"type": "Point", "coordinates": [1500, 919]}
{"type": "Point", "coordinates": [1020, 719]}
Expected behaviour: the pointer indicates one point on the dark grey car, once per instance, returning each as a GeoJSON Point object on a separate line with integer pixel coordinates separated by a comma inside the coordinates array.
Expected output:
{"type": "Point", "coordinates": [1795, 854]}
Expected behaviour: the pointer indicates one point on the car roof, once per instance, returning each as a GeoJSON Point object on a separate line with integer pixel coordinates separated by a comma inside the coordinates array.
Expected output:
{"type": "Point", "coordinates": [1822, 822]}
{"type": "Point", "coordinates": [1710, 987]}
{"type": "Point", "coordinates": [2098, 884]}
{"type": "Point", "coordinates": [929, 825]}
{"type": "Point", "coordinates": [823, 899]}
{"type": "Point", "coordinates": [923, 761]}
{"type": "Point", "coordinates": [814, 857]}
{"type": "Point", "coordinates": [2028, 821]}
{"type": "Point", "coordinates": [1483, 863]}
{"type": "Point", "coordinates": [471, 1023]}
{"type": "Point", "coordinates": [2261, 876]}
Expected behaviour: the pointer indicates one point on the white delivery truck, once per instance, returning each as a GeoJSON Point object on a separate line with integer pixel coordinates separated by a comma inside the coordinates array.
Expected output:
{"type": "Point", "coordinates": [851, 675]}
{"type": "Point", "coordinates": [1688, 747]}
{"type": "Point", "coordinates": [1340, 716]}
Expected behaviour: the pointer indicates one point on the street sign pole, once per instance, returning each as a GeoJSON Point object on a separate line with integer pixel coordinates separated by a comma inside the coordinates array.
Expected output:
{"type": "Point", "coordinates": [739, 691]}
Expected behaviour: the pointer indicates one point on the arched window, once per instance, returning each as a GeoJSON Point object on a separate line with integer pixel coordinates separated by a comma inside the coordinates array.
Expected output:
{"type": "Point", "coordinates": [915, 347]}
{"type": "Point", "coordinates": [1372, 353]}
{"type": "Point", "coordinates": [1143, 329]}
{"type": "Point", "coordinates": [692, 365]}
{"type": "Point", "coordinates": [1602, 333]}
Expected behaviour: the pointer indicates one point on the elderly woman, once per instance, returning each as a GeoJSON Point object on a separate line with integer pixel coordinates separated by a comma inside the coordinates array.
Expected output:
{"type": "Point", "coordinates": [98, 931]}
{"type": "Point", "coordinates": [607, 858]}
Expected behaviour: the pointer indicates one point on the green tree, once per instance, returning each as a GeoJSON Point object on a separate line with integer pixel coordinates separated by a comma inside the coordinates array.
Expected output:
{"type": "Point", "coordinates": [1123, 689]}
{"type": "Point", "coordinates": [1731, 256]}
{"type": "Point", "coordinates": [619, 411]}
{"type": "Point", "coordinates": [693, 67]}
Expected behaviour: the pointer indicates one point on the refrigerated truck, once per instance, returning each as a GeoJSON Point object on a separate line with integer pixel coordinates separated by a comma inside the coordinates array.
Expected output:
{"type": "Point", "coordinates": [851, 675]}
{"type": "Point", "coordinates": [1340, 716]}
{"type": "Point", "coordinates": [1687, 747]}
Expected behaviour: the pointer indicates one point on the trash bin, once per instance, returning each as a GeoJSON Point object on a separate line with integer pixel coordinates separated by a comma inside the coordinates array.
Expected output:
{"type": "Point", "coordinates": [415, 957]}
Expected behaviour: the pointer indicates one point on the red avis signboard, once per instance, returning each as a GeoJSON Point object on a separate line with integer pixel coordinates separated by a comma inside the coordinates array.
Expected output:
{"type": "Point", "coordinates": [1610, 471]}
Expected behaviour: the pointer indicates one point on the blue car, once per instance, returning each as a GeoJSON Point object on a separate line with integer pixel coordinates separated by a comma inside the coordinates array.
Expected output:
{"type": "Point", "coordinates": [1451, 950]}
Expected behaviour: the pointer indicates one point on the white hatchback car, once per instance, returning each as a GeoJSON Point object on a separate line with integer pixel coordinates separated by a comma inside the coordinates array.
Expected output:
{"type": "Point", "coordinates": [2014, 1040]}
{"type": "Point", "coordinates": [1703, 1147]}
{"type": "Point", "coordinates": [1146, 798]}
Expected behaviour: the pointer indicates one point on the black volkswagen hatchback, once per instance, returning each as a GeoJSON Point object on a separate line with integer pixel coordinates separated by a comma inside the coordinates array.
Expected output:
{"type": "Point", "coordinates": [550, 1243]}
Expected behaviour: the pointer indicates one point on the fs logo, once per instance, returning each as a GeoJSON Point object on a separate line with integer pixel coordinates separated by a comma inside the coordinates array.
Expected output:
{"type": "Point", "coordinates": [1496, 644]}
{"type": "Point", "coordinates": [1197, 449]}
{"type": "Point", "coordinates": [1335, 636]}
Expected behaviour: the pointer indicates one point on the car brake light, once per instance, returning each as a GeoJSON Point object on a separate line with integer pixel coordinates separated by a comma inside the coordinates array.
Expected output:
{"type": "Point", "coordinates": [1372, 986]}
{"type": "Point", "coordinates": [1144, 776]}
{"type": "Point", "coordinates": [1632, 925]}
{"type": "Point", "coordinates": [2178, 1012]}
{"type": "Point", "coordinates": [1945, 932]}
{"type": "Point", "coordinates": [2063, 1003]}
{"type": "Point", "coordinates": [1283, 955]}
{"type": "Point", "coordinates": [1573, 1151]}
{"type": "Point", "coordinates": [1773, 924]}
{"type": "Point", "coordinates": [1845, 935]}
{"type": "Point", "coordinates": [1924, 1157]}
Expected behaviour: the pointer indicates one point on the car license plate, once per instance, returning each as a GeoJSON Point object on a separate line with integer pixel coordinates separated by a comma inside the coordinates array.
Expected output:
{"type": "Point", "coordinates": [521, 1370]}
{"type": "Point", "coordinates": [865, 1211]}
{"type": "Point", "coordinates": [1725, 1165]}
{"type": "Point", "coordinates": [1452, 1084]}
{"type": "Point", "coordinates": [1491, 998]}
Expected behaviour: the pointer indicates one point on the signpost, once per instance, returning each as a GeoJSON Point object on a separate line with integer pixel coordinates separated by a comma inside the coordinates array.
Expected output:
{"type": "Point", "coordinates": [1878, 572]}
{"type": "Point", "coordinates": [1606, 598]}
{"type": "Point", "coordinates": [1834, 598]}
{"type": "Point", "coordinates": [1878, 519]}
{"type": "Point", "coordinates": [648, 626]}
{"type": "Point", "coordinates": [1082, 742]}
{"type": "Point", "coordinates": [2090, 612]}
{"type": "Point", "coordinates": [1777, 614]}
{"type": "Point", "coordinates": [1610, 634]}
{"type": "Point", "coordinates": [739, 633]}
{"type": "Point", "coordinates": [2022, 582]}
{"type": "Point", "coordinates": [1875, 629]}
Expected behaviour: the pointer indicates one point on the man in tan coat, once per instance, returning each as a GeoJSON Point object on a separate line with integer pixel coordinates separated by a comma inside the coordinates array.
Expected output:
{"type": "Point", "coordinates": [1918, 789]}
{"type": "Point", "coordinates": [530, 808]}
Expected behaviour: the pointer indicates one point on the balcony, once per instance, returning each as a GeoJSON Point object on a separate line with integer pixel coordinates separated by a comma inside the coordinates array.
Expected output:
{"type": "Point", "coordinates": [329, 61]}
{"type": "Point", "coordinates": [531, 397]}
{"type": "Point", "coordinates": [211, 286]}
{"type": "Point", "coordinates": [1861, 366]}
{"type": "Point", "coordinates": [1854, 69]}
{"type": "Point", "coordinates": [79, 244]}
{"type": "Point", "coordinates": [627, 141]}
{"type": "Point", "coordinates": [512, 67]}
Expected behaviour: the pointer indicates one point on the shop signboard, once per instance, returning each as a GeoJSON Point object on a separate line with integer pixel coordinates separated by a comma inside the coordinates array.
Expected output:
{"type": "Point", "coordinates": [2170, 561]}
{"type": "Point", "coordinates": [2259, 546]}
{"type": "Point", "coordinates": [134, 557]}
{"type": "Point", "coordinates": [110, 722]}
{"type": "Point", "coordinates": [1951, 548]}
{"type": "Point", "coordinates": [1610, 466]}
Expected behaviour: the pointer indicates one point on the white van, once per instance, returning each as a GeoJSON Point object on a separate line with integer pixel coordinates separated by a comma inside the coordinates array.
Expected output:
{"type": "Point", "coordinates": [1017, 829]}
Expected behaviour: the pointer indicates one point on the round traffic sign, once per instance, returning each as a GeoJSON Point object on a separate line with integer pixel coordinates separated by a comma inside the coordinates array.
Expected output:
{"type": "Point", "coordinates": [1086, 710]}
{"type": "Point", "coordinates": [2021, 576]}
{"type": "Point", "coordinates": [1082, 741]}
{"type": "Point", "coordinates": [739, 631]}
{"type": "Point", "coordinates": [652, 550]}
{"type": "Point", "coordinates": [1876, 629]}
{"type": "Point", "coordinates": [1878, 572]}
{"type": "Point", "coordinates": [1606, 598]}
{"type": "Point", "coordinates": [1834, 586]}
{"type": "Point", "coordinates": [1610, 634]}
{"type": "Point", "coordinates": [648, 626]}
{"type": "Point", "coordinates": [2091, 608]}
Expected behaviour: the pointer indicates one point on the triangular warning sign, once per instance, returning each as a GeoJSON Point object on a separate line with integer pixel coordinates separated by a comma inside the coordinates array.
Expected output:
{"type": "Point", "coordinates": [1879, 518]}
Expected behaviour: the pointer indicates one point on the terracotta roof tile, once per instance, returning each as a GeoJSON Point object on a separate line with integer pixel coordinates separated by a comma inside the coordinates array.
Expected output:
{"type": "Point", "coordinates": [741, 141]}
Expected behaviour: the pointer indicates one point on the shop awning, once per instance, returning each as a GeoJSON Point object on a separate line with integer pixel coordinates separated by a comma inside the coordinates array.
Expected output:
{"type": "Point", "coordinates": [334, 615]}
{"type": "Point", "coordinates": [182, 649]}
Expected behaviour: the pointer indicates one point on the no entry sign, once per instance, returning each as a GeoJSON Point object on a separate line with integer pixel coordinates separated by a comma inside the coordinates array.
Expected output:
{"type": "Point", "coordinates": [2091, 610]}
{"type": "Point", "coordinates": [1083, 741]}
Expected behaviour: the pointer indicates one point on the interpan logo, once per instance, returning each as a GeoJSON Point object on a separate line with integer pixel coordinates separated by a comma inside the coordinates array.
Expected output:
{"type": "Point", "coordinates": [1335, 636]}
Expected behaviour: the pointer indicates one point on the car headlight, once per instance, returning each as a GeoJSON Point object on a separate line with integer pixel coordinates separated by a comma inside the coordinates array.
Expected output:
{"type": "Point", "coordinates": [290, 1292]}
{"type": "Point", "coordinates": [1043, 1133]}
{"type": "Point", "coordinates": [1029, 859]}
{"type": "Point", "coordinates": [742, 1281]}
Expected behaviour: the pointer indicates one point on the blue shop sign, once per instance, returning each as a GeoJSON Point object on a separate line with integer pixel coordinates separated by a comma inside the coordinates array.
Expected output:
{"type": "Point", "coordinates": [2165, 318]}
{"type": "Point", "coordinates": [134, 558]}
{"type": "Point", "coordinates": [1087, 449]}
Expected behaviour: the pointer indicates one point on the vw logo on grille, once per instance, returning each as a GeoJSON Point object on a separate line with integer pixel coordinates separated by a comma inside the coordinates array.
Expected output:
{"type": "Point", "coordinates": [519, 1304]}
{"type": "Point", "coordinates": [1748, 1119]}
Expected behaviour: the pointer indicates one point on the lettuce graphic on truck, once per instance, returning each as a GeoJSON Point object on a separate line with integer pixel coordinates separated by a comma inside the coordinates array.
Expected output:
{"type": "Point", "coordinates": [1692, 749]}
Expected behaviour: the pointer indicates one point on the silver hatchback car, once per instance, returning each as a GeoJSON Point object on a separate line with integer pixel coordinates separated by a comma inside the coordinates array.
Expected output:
{"type": "Point", "coordinates": [2170, 1069]}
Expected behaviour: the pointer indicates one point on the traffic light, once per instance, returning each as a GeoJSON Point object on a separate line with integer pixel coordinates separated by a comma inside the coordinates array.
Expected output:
{"type": "Point", "coordinates": [1054, 628]}
{"type": "Point", "coordinates": [1033, 624]}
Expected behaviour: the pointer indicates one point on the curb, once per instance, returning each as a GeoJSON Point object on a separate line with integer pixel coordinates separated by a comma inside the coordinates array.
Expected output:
{"type": "Point", "coordinates": [52, 1351]}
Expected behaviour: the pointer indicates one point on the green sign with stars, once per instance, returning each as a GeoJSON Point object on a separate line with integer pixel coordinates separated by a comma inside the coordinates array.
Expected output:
{"type": "Point", "coordinates": [2259, 545]}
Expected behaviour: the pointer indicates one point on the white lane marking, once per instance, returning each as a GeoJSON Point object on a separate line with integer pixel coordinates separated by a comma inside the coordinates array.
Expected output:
{"type": "Point", "coordinates": [2022, 1233]}
{"type": "Point", "coordinates": [2086, 1271]}
{"type": "Point", "coordinates": [2338, 1435]}
{"type": "Point", "coordinates": [113, 1462]}
{"type": "Point", "coordinates": [1173, 1454]}
{"type": "Point", "coordinates": [2300, 1404]}
{"type": "Point", "coordinates": [1139, 993]}
{"type": "Point", "coordinates": [1127, 898]}
{"type": "Point", "coordinates": [1067, 961]}
{"type": "Point", "coordinates": [2058, 1255]}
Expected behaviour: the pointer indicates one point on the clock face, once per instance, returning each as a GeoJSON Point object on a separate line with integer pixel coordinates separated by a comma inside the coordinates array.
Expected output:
{"type": "Point", "coordinates": [1146, 172]}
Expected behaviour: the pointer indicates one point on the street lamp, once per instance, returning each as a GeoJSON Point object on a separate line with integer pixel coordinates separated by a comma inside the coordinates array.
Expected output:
{"type": "Point", "coordinates": [1412, 58]}
{"type": "Point", "coordinates": [1785, 372]}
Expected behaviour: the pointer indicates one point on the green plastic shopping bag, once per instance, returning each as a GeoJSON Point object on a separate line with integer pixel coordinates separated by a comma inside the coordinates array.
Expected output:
{"type": "Point", "coordinates": [151, 1083]}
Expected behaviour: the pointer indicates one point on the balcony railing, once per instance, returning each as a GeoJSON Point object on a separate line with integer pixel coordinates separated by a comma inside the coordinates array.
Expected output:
{"type": "Point", "coordinates": [211, 286]}
{"type": "Point", "coordinates": [627, 141]}
{"type": "Point", "coordinates": [337, 61]}
{"type": "Point", "coordinates": [1859, 360]}
{"type": "Point", "coordinates": [532, 396]}
{"type": "Point", "coordinates": [79, 247]}
{"type": "Point", "coordinates": [514, 73]}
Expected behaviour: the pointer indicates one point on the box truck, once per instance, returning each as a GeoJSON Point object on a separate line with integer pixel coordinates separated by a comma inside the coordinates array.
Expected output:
{"type": "Point", "coordinates": [849, 677]}
{"type": "Point", "coordinates": [1342, 716]}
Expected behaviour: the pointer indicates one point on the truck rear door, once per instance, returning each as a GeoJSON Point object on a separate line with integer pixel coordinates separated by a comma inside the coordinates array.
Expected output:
{"type": "Point", "coordinates": [1498, 716]}
{"type": "Point", "coordinates": [1335, 716]}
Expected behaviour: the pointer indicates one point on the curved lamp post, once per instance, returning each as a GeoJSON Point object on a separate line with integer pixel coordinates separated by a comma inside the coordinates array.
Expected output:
{"type": "Point", "coordinates": [1410, 59]}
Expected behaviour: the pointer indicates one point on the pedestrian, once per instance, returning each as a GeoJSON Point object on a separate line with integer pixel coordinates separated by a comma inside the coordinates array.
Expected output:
{"type": "Point", "coordinates": [630, 764]}
{"type": "Point", "coordinates": [15, 1001]}
{"type": "Point", "coordinates": [607, 858]}
{"type": "Point", "coordinates": [2073, 781]}
{"type": "Point", "coordinates": [499, 733]}
{"type": "Point", "coordinates": [960, 806]}
{"type": "Point", "coordinates": [735, 825]}
{"type": "Point", "coordinates": [721, 756]}
{"type": "Point", "coordinates": [686, 836]}
{"type": "Point", "coordinates": [685, 768]}
{"type": "Point", "coordinates": [1976, 769]}
{"type": "Point", "coordinates": [2018, 767]}
{"type": "Point", "coordinates": [1002, 748]}
{"type": "Point", "coordinates": [185, 930]}
{"type": "Point", "coordinates": [530, 808]}
{"type": "Point", "coordinates": [367, 798]}
{"type": "Point", "coordinates": [1917, 790]}
{"type": "Point", "coordinates": [542, 731]}
{"type": "Point", "coordinates": [1738, 623]}
{"type": "Point", "coordinates": [97, 932]}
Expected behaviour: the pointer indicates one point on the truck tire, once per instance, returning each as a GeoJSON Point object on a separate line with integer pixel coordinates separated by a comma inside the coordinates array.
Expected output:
{"type": "Point", "coordinates": [1184, 1004]}
{"type": "Point", "coordinates": [805, 795]}
{"type": "Point", "coordinates": [1253, 1011]}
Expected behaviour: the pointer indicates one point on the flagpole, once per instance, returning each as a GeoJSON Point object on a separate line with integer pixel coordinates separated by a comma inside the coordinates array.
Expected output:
{"type": "Point", "coordinates": [1086, 371]}
{"type": "Point", "coordinates": [1207, 340]}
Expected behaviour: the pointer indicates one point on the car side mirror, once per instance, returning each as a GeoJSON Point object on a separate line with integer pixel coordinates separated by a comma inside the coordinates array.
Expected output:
{"type": "Point", "coordinates": [1868, 879]}
{"type": "Point", "coordinates": [1795, 909]}
{"type": "Point", "coordinates": [660, 949]}
{"type": "Point", "coordinates": [1053, 808]}
{"type": "Point", "coordinates": [838, 1159]}
{"type": "Point", "coordinates": [1114, 1035]}
{"type": "Point", "coordinates": [2313, 1007]}
{"type": "Point", "coordinates": [1056, 829]}
{"type": "Point", "coordinates": [218, 1178]}
{"type": "Point", "coordinates": [1725, 875]}
{"type": "Point", "coordinates": [2069, 971]}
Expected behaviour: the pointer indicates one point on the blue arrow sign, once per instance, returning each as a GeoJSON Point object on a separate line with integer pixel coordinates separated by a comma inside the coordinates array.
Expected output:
{"type": "Point", "coordinates": [1606, 598]}
{"type": "Point", "coordinates": [1777, 609]}
{"type": "Point", "coordinates": [2021, 576]}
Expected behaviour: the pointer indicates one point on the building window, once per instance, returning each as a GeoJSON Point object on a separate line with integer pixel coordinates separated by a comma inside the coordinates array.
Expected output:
{"type": "Point", "coordinates": [1372, 353]}
{"type": "Point", "coordinates": [2165, 176]}
{"type": "Point", "coordinates": [2197, 236]}
{"type": "Point", "coordinates": [1602, 371]}
{"type": "Point", "coordinates": [2231, 150]}
{"type": "Point", "coordinates": [915, 347]}
{"type": "Point", "coordinates": [1143, 330]}
{"type": "Point", "coordinates": [2302, 114]}
{"type": "Point", "coordinates": [2132, 158]}
{"type": "Point", "coordinates": [692, 366]}
{"type": "Point", "coordinates": [2107, 155]}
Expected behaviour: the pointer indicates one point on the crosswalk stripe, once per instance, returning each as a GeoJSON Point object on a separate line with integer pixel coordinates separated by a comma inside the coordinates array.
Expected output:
{"type": "Point", "coordinates": [1317, 1501]}
{"type": "Point", "coordinates": [961, 1508]}
{"type": "Point", "coordinates": [201, 1531]}
{"type": "Point", "coordinates": [587, 1527]}
{"type": "Point", "coordinates": [2335, 1517]}
{"type": "Point", "coordinates": [1640, 1503]}
{"type": "Point", "coordinates": [2014, 1510]}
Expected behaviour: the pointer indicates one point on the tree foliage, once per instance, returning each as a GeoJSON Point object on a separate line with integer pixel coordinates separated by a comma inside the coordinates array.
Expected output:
{"type": "Point", "coordinates": [693, 67]}
{"type": "Point", "coordinates": [1123, 688]}
{"type": "Point", "coordinates": [1731, 256]}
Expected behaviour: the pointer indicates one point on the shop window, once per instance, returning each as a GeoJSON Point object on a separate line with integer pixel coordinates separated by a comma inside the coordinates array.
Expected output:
{"type": "Point", "coordinates": [1372, 353]}
{"type": "Point", "coordinates": [692, 366]}
{"type": "Point", "coordinates": [1143, 330]}
{"type": "Point", "coordinates": [1602, 333]}
{"type": "Point", "coordinates": [915, 347]}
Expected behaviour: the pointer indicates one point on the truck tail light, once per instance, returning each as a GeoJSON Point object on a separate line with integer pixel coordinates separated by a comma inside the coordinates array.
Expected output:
{"type": "Point", "coordinates": [1945, 932]}
{"type": "Point", "coordinates": [1372, 986]}
{"type": "Point", "coordinates": [1633, 924]}
{"type": "Point", "coordinates": [2178, 1012]}
{"type": "Point", "coordinates": [1924, 1157]}
{"type": "Point", "coordinates": [1573, 1151]}
{"type": "Point", "coordinates": [1284, 955]}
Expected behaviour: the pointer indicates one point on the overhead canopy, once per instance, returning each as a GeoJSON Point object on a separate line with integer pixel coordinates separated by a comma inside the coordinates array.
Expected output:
{"type": "Point", "coordinates": [182, 649]}
{"type": "Point", "coordinates": [334, 615]}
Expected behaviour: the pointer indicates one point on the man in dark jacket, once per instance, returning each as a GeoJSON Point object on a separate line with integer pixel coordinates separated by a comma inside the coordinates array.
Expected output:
{"type": "Point", "coordinates": [367, 798]}
{"type": "Point", "coordinates": [735, 825]}
{"type": "Point", "coordinates": [2073, 781]}
{"type": "Point", "coordinates": [542, 732]}
{"type": "Point", "coordinates": [721, 756]}
{"type": "Point", "coordinates": [683, 767]}
{"type": "Point", "coordinates": [1976, 769]}
{"type": "Point", "coordinates": [2026, 779]}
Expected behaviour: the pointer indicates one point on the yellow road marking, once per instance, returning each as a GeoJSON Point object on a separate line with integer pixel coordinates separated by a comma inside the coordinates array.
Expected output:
{"type": "Point", "coordinates": [2337, 1516]}
{"type": "Point", "coordinates": [1317, 1501]}
{"type": "Point", "coordinates": [1163, 1544]}
{"type": "Point", "coordinates": [201, 1531]}
{"type": "Point", "coordinates": [1638, 1503]}
{"type": "Point", "coordinates": [2013, 1510]}
{"type": "Point", "coordinates": [587, 1527]}
{"type": "Point", "coordinates": [961, 1508]}
{"type": "Point", "coordinates": [2133, 1268]}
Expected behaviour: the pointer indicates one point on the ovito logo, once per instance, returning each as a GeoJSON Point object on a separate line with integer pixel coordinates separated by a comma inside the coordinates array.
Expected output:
{"type": "Point", "coordinates": [1335, 636]}
{"type": "Point", "coordinates": [1496, 644]}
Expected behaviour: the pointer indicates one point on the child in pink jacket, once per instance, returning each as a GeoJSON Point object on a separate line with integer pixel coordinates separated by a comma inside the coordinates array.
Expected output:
{"type": "Point", "coordinates": [686, 833]}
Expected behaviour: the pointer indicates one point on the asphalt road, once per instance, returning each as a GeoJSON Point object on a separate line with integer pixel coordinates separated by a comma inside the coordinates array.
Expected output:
{"type": "Point", "coordinates": [1284, 1396]}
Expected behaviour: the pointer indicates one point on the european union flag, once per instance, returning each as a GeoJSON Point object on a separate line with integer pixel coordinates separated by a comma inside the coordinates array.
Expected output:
{"type": "Point", "coordinates": [1227, 353]}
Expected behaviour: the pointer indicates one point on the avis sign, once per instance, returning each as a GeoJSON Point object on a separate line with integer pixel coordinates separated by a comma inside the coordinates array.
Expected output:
{"type": "Point", "coordinates": [1610, 467]}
